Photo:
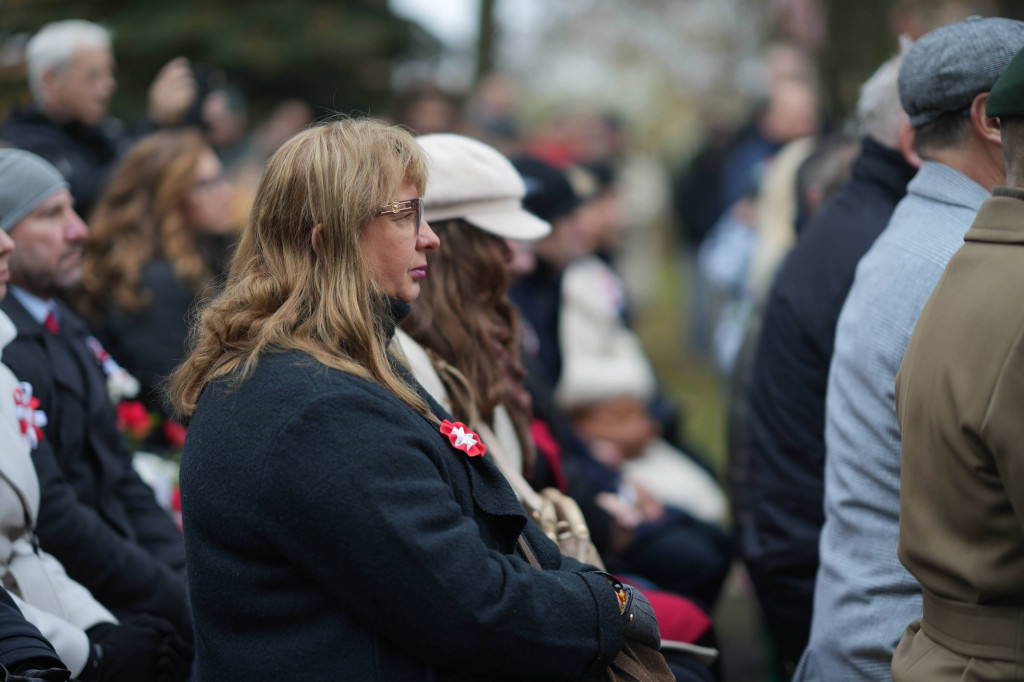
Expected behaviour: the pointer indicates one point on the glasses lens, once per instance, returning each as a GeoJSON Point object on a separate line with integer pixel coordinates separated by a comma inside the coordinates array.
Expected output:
{"type": "Point", "coordinates": [419, 213]}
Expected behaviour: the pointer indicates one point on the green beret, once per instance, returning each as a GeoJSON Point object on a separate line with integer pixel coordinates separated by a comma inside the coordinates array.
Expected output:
{"type": "Point", "coordinates": [1006, 98]}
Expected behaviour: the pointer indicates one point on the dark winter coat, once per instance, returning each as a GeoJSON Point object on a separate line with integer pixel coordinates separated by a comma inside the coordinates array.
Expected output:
{"type": "Point", "coordinates": [334, 533]}
{"type": "Point", "coordinates": [84, 155]}
{"type": "Point", "coordinates": [785, 486]}
{"type": "Point", "coordinates": [96, 515]}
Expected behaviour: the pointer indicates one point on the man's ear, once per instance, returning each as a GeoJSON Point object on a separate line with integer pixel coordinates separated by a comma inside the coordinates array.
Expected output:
{"type": "Point", "coordinates": [906, 144]}
{"type": "Point", "coordinates": [986, 126]}
{"type": "Point", "coordinates": [317, 238]}
{"type": "Point", "coordinates": [49, 79]}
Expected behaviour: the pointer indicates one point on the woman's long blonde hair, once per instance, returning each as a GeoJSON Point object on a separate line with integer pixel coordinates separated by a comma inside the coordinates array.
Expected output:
{"type": "Point", "coordinates": [140, 216]}
{"type": "Point", "coordinates": [281, 293]}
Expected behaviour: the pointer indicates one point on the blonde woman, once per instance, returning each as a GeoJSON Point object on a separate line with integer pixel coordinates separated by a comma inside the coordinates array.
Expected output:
{"type": "Point", "coordinates": [337, 524]}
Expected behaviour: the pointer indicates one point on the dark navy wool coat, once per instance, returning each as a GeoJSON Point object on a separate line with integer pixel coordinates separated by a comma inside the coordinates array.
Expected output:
{"type": "Point", "coordinates": [335, 534]}
{"type": "Point", "coordinates": [96, 515]}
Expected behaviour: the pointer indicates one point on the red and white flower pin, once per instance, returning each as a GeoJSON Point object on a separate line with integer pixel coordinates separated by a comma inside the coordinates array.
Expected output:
{"type": "Point", "coordinates": [31, 419]}
{"type": "Point", "coordinates": [463, 439]}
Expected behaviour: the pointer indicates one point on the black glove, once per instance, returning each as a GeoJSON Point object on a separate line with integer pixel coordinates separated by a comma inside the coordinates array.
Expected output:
{"type": "Point", "coordinates": [641, 623]}
{"type": "Point", "coordinates": [142, 648]}
{"type": "Point", "coordinates": [34, 670]}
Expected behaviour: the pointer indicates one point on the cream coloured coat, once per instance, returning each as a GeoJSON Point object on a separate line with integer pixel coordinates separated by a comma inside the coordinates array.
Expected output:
{"type": "Point", "coordinates": [61, 608]}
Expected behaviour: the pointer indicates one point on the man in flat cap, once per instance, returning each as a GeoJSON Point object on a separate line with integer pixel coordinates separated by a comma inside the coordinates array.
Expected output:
{"type": "Point", "coordinates": [863, 597]}
{"type": "Point", "coordinates": [95, 515]}
{"type": "Point", "coordinates": [959, 394]}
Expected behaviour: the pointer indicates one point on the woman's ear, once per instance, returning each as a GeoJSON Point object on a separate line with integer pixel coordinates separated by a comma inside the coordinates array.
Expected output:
{"type": "Point", "coordinates": [317, 238]}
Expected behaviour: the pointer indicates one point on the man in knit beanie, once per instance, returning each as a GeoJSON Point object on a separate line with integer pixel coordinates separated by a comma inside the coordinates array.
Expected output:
{"type": "Point", "coordinates": [41, 240]}
{"type": "Point", "coordinates": [96, 516]}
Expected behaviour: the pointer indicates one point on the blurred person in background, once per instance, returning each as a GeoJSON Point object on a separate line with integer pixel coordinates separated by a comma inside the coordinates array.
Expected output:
{"type": "Point", "coordinates": [669, 546]}
{"type": "Point", "coordinates": [714, 191]}
{"type": "Point", "coordinates": [473, 198]}
{"type": "Point", "coordinates": [159, 239]}
{"type": "Point", "coordinates": [428, 109]}
{"type": "Point", "coordinates": [491, 115]}
{"type": "Point", "coordinates": [92, 643]}
{"type": "Point", "coordinates": [863, 597]}
{"type": "Point", "coordinates": [70, 68]}
{"type": "Point", "coordinates": [88, 638]}
{"type": "Point", "coordinates": [785, 429]}
{"type": "Point", "coordinates": [96, 515]}
{"type": "Point", "coordinates": [607, 384]}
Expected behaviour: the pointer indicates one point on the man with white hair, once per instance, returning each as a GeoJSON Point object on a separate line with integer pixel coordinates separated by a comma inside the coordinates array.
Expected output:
{"type": "Point", "coordinates": [779, 542]}
{"type": "Point", "coordinates": [70, 67]}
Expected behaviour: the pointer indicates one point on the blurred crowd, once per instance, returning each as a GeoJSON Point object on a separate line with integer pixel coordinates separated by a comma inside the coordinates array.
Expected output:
{"type": "Point", "coordinates": [808, 246]}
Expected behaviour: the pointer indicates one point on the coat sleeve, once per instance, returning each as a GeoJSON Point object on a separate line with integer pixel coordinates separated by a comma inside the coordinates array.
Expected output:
{"type": "Point", "coordinates": [69, 641]}
{"type": "Point", "coordinates": [354, 508]}
{"type": "Point", "coordinates": [1003, 429]}
{"type": "Point", "coordinates": [121, 574]}
{"type": "Point", "coordinates": [21, 641]}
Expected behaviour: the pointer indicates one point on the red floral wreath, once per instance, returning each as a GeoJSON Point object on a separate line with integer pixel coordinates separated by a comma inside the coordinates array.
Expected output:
{"type": "Point", "coordinates": [463, 439]}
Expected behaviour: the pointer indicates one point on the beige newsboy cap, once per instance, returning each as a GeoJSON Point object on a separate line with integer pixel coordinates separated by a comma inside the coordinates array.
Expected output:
{"type": "Point", "coordinates": [475, 182]}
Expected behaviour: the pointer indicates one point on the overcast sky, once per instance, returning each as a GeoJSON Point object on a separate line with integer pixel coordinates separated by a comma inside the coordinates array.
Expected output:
{"type": "Point", "coordinates": [453, 21]}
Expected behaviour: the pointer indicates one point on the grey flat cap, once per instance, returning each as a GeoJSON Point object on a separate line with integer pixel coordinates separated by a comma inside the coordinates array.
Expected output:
{"type": "Point", "coordinates": [26, 180]}
{"type": "Point", "coordinates": [948, 67]}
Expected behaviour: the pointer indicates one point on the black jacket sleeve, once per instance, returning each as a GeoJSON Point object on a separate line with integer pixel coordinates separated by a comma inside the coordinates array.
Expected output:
{"type": "Point", "coordinates": [20, 641]}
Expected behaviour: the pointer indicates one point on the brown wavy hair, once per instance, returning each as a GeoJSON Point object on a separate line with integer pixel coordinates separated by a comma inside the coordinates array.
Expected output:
{"type": "Point", "coordinates": [140, 216]}
{"type": "Point", "coordinates": [284, 294]}
{"type": "Point", "coordinates": [465, 320]}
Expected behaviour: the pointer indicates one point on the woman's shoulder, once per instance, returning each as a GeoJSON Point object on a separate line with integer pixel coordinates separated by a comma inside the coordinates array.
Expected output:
{"type": "Point", "coordinates": [297, 378]}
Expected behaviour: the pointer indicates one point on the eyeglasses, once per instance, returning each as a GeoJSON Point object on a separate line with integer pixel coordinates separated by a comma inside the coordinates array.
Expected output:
{"type": "Point", "coordinates": [396, 207]}
{"type": "Point", "coordinates": [211, 183]}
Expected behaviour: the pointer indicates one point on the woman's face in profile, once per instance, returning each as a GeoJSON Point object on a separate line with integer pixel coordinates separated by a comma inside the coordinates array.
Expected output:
{"type": "Point", "coordinates": [208, 202]}
{"type": "Point", "coordinates": [395, 256]}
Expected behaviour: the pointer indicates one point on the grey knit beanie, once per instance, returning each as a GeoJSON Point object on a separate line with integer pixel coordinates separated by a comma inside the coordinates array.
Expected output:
{"type": "Point", "coordinates": [26, 180]}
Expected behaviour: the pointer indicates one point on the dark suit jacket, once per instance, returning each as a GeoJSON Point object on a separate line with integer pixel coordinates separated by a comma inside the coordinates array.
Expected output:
{"type": "Point", "coordinates": [333, 531]}
{"type": "Point", "coordinates": [96, 515]}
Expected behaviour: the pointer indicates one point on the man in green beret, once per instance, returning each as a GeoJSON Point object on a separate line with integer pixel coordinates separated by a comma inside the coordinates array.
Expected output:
{"type": "Point", "coordinates": [960, 404]}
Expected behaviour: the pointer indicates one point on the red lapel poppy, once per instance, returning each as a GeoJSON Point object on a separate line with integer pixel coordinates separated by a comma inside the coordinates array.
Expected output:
{"type": "Point", "coordinates": [463, 439]}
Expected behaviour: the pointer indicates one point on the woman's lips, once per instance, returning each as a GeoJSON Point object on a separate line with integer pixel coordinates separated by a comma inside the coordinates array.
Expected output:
{"type": "Point", "coordinates": [420, 272]}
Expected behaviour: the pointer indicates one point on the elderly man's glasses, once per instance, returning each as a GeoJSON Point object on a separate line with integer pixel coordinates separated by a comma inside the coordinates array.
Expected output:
{"type": "Point", "coordinates": [399, 207]}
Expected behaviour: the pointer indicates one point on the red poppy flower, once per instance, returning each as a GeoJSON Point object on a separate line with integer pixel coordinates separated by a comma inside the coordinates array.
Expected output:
{"type": "Point", "coordinates": [463, 439]}
{"type": "Point", "coordinates": [133, 418]}
{"type": "Point", "coordinates": [175, 432]}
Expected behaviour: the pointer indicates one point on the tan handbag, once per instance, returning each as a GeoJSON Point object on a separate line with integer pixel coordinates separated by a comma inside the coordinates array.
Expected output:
{"type": "Point", "coordinates": [554, 512]}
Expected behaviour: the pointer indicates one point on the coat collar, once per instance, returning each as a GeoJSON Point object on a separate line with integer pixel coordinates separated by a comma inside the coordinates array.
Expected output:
{"type": "Point", "coordinates": [1000, 219]}
{"type": "Point", "coordinates": [884, 167]}
{"type": "Point", "coordinates": [938, 183]}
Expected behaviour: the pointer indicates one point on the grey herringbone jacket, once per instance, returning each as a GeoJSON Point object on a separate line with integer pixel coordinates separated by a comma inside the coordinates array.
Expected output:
{"type": "Point", "coordinates": [863, 596]}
